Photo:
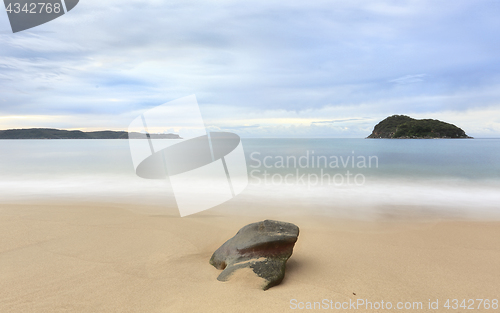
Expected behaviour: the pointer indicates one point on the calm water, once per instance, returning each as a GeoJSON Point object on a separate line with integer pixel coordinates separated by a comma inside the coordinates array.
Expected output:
{"type": "Point", "coordinates": [324, 175]}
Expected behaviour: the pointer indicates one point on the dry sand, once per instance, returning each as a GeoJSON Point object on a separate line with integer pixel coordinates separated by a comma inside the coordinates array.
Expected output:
{"type": "Point", "coordinates": [108, 258]}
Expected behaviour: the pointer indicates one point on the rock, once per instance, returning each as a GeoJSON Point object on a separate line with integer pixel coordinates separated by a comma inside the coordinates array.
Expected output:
{"type": "Point", "coordinates": [263, 246]}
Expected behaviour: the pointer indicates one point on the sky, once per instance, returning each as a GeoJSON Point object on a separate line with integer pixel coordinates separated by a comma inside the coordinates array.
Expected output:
{"type": "Point", "coordinates": [258, 68]}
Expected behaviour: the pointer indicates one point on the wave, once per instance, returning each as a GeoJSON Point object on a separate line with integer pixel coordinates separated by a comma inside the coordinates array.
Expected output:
{"type": "Point", "coordinates": [440, 197]}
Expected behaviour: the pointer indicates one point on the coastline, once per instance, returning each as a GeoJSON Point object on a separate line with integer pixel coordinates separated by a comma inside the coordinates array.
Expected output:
{"type": "Point", "coordinates": [60, 257]}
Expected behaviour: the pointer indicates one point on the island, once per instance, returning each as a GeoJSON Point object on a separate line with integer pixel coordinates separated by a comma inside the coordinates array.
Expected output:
{"type": "Point", "coordinates": [405, 127]}
{"type": "Point", "coordinates": [51, 133]}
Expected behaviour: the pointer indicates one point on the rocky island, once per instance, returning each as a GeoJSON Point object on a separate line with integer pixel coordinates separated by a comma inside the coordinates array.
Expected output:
{"type": "Point", "coordinates": [51, 133]}
{"type": "Point", "coordinates": [405, 127]}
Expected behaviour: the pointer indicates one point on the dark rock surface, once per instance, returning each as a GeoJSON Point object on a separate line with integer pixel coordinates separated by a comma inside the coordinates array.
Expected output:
{"type": "Point", "coordinates": [263, 246]}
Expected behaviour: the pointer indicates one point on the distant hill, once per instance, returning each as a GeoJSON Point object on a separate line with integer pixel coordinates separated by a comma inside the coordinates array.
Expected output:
{"type": "Point", "coordinates": [405, 127]}
{"type": "Point", "coordinates": [50, 133]}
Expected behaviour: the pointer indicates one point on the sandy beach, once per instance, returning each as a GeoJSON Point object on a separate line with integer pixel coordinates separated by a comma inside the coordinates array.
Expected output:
{"type": "Point", "coordinates": [69, 257]}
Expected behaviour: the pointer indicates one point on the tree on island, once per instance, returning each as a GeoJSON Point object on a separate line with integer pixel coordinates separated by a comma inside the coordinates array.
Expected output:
{"type": "Point", "coordinates": [50, 133]}
{"type": "Point", "coordinates": [405, 127]}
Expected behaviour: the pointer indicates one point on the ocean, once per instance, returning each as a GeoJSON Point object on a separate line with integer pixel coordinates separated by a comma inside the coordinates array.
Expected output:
{"type": "Point", "coordinates": [353, 178]}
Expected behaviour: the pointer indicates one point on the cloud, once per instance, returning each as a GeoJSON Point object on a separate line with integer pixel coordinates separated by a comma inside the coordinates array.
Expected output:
{"type": "Point", "coordinates": [408, 79]}
{"type": "Point", "coordinates": [104, 60]}
{"type": "Point", "coordinates": [338, 121]}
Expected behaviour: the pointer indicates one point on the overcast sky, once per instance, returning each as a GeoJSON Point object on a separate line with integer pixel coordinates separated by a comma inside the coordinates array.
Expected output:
{"type": "Point", "coordinates": [258, 68]}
